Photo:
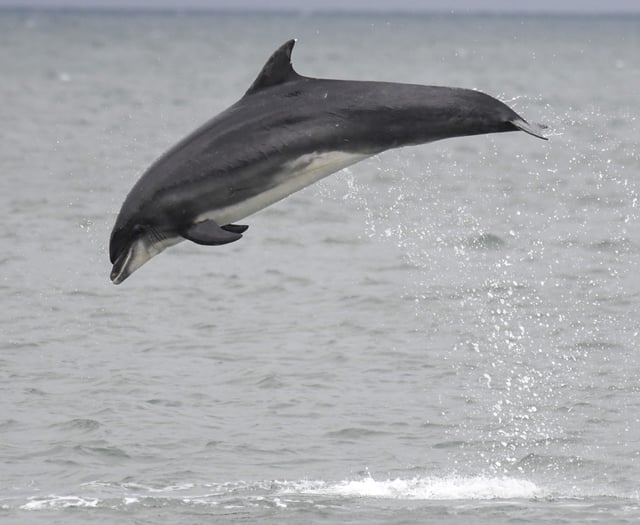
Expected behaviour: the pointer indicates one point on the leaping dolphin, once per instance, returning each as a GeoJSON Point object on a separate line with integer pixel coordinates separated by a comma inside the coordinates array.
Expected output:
{"type": "Point", "coordinates": [287, 132]}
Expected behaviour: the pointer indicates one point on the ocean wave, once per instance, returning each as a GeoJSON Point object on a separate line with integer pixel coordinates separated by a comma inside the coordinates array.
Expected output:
{"type": "Point", "coordinates": [280, 494]}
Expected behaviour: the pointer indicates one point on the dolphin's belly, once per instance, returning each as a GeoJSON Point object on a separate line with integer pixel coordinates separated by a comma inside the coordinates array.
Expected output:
{"type": "Point", "coordinates": [290, 177]}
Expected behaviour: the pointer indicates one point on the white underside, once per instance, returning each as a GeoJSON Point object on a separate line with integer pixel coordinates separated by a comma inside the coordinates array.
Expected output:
{"type": "Point", "coordinates": [294, 176]}
{"type": "Point", "coordinates": [140, 252]}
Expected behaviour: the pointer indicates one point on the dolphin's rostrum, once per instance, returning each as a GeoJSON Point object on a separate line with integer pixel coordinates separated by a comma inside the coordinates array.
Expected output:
{"type": "Point", "coordinates": [287, 132]}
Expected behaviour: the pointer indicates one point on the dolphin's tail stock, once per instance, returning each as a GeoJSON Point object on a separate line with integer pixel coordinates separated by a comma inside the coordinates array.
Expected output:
{"type": "Point", "coordinates": [532, 129]}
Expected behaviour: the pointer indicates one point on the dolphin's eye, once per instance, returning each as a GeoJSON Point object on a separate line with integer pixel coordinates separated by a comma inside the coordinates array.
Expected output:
{"type": "Point", "coordinates": [138, 229]}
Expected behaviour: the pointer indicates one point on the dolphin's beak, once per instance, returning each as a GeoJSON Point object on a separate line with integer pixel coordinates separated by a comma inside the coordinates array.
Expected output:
{"type": "Point", "coordinates": [121, 268]}
{"type": "Point", "coordinates": [130, 260]}
{"type": "Point", "coordinates": [139, 252]}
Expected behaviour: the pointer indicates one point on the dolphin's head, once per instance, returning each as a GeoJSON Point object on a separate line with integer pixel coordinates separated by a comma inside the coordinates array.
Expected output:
{"type": "Point", "coordinates": [133, 243]}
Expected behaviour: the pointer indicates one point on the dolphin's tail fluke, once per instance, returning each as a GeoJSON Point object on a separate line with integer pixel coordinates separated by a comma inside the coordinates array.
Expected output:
{"type": "Point", "coordinates": [532, 129]}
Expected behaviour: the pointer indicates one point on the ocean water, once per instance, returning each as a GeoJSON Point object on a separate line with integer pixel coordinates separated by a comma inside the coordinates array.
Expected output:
{"type": "Point", "coordinates": [446, 333]}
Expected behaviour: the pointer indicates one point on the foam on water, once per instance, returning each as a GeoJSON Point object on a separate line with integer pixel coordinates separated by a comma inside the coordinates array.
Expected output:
{"type": "Point", "coordinates": [59, 502]}
{"type": "Point", "coordinates": [445, 496]}
{"type": "Point", "coordinates": [430, 488]}
{"type": "Point", "coordinates": [280, 493]}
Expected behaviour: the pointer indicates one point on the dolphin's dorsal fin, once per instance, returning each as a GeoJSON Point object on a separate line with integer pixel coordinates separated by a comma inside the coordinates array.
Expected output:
{"type": "Point", "coordinates": [277, 70]}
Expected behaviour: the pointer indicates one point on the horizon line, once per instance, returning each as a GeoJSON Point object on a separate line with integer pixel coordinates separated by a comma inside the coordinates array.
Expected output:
{"type": "Point", "coordinates": [307, 12]}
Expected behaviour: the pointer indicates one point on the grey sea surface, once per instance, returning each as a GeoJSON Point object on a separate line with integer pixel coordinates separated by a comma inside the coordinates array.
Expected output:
{"type": "Point", "coordinates": [445, 333]}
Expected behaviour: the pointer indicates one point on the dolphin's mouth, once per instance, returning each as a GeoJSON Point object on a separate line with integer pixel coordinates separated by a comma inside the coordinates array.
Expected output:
{"type": "Point", "coordinates": [119, 271]}
{"type": "Point", "coordinates": [139, 252]}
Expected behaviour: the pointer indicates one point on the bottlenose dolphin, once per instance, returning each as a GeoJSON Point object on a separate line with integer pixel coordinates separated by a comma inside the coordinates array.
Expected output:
{"type": "Point", "coordinates": [287, 132]}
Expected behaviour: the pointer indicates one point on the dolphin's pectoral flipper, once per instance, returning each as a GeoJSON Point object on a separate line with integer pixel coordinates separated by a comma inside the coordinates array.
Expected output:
{"type": "Point", "coordinates": [210, 233]}
{"type": "Point", "coordinates": [235, 228]}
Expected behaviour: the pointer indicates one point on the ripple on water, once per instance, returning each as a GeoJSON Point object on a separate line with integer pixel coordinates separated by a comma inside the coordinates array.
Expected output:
{"type": "Point", "coordinates": [354, 433]}
{"type": "Point", "coordinates": [485, 241]}
{"type": "Point", "coordinates": [81, 424]}
{"type": "Point", "coordinates": [101, 451]}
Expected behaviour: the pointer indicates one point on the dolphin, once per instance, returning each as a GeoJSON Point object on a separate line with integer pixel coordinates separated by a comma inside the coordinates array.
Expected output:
{"type": "Point", "coordinates": [287, 132]}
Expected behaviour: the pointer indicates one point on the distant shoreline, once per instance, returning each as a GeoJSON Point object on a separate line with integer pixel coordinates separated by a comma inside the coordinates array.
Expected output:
{"type": "Point", "coordinates": [374, 13]}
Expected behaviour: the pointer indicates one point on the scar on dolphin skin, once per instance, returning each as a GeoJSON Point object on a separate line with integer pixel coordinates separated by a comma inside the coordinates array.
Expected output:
{"type": "Point", "coordinates": [287, 132]}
